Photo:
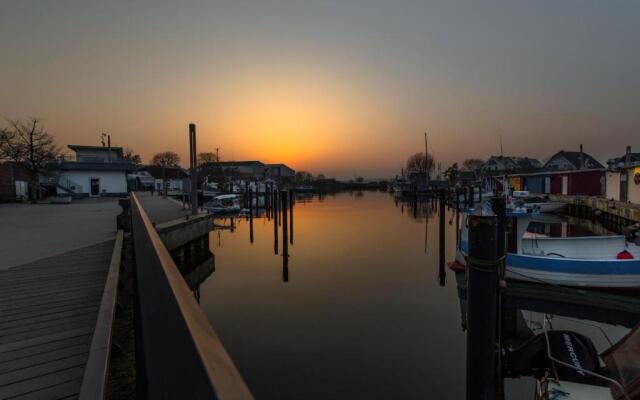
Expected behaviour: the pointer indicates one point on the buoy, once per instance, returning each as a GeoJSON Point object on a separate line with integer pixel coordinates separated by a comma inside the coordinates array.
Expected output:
{"type": "Point", "coordinates": [624, 255]}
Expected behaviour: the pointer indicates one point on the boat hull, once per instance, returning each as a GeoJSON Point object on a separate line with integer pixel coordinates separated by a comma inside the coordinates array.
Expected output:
{"type": "Point", "coordinates": [605, 274]}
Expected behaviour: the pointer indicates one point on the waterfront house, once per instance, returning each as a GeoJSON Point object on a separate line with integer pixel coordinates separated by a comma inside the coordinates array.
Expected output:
{"type": "Point", "coordinates": [280, 172]}
{"type": "Point", "coordinates": [571, 161]}
{"type": "Point", "coordinates": [566, 172]}
{"type": "Point", "coordinates": [96, 171]}
{"type": "Point", "coordinates": [623, 177]}
{"type": "Point", "coordinates": [499, 166]}
{"type": "Point", "coordinates": [14, 183]}
{"type": "Point", "coordinates": [224, 170]}
{"type": "Point", "coordinates": [467, 178]}
{"type": "Point", "coordinates": [175, 178]}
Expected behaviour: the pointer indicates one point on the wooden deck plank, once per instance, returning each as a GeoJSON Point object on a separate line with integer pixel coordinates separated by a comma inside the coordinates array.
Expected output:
{"type": "Point", "coordinates": [45, 368]}
{"type": "Point", "coordinates": [48, 311]}
{"type": "Point", "coordinates": [45, 329]}
{"type": "Point", "coordinates": [42, 349]}
{"type": "Point", "coordinates": [43, 310]}
{"type": "Point", "coordinates": [31, 386]}
{"type": "Point", "coordinates": [51, 316]}
{"type": "Point", "coordinates": [88, 296]}
{"type": "Point", "coordinates": [66, 390]}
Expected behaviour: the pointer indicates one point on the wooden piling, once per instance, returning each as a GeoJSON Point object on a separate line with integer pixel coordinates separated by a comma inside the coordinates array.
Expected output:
{"type": "Point", "coordinates": [482, 301]}
{"type": "Point", "coordinates": [442, 274]}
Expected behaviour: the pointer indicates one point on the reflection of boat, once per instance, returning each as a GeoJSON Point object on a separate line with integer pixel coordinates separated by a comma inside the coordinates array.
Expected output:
{"type": "Point", "coordinates": [554, 256]}
{"type": "Point", "coordinates": [223, 204]}
{"type": "Point", "coordinates": [304, 189]}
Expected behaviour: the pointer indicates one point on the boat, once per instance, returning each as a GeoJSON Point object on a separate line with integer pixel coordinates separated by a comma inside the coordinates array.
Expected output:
{"type": "Point", "coordinates": [223, 204]}
{"type": "Point", "coordinates": [554, 255]}
{"type": "Point", "coordinates": [567, 365]}
{"type": "Point", "coordinates": [524, 199]}
{"type": "Point", "coordinates": [304, 189]}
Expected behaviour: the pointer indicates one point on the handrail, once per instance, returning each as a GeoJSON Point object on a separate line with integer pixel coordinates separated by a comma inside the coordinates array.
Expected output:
{"type": "Point", "coordinates": [178, 353]}
{"type": "Point", "coordinates": [94, 383]}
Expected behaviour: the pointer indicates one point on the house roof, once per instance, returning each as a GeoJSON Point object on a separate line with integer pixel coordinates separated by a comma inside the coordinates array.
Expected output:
{"type": "Point", "coordinates": [77, 147]}
{"type": "Point", "coordinates": [95, 166]}
{"type": "Point", "coordinates": [238, 163]}
{"type": "Point", "coordinates": [171, 172]}
{"type": "Point", "coordinates": [467, 175]}
{"type": "Point", "coordinates": [573, 157]}
{"type": "Point", "coordinates": [633, 158]}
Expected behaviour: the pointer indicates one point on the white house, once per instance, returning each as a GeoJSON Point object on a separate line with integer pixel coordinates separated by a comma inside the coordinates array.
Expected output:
{"type": "Point", "coordinates": [97, 171]}
{"type": "Point", "coordinates": [175, 178]}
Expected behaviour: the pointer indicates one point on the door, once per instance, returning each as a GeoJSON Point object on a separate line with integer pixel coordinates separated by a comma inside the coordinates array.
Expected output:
{"type": "Point", "coordinates": [547, 184]}
{"type": "Point", "coordinates": [95, 186]}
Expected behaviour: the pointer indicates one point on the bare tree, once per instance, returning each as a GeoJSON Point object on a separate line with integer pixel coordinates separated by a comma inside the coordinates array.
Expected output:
{"type": "Point", "coordinates": [164, 160]}
{"type": "Point", "coordinates": [419, 163]}
{"type": "Point", "coordinates": [129, 155]}
{"type": "Point", "coordinates": [303, 177]}
{"type": "Point", "coordinates": [472, 164]}
{"type": "Point", "coordinates": [207, 158]}
{"type": "Point", "coordinates": [29, 145]}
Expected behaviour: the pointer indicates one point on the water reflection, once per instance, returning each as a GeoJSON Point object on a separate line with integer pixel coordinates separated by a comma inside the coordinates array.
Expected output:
{"type": "Point", "coordinates": [358, 320]}
{"type": "Point", "coordinates": [196, 263]}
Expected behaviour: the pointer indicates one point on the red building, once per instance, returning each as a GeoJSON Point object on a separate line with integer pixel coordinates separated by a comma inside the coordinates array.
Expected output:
{"type": "Point", "coordinates": [581, 182]}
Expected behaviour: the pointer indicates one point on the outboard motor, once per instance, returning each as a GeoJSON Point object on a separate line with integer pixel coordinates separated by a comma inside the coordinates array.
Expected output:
{"type": "Point", "coordinates": [531, 358]}
{"type": "Point", "coordinates": [632, 233]}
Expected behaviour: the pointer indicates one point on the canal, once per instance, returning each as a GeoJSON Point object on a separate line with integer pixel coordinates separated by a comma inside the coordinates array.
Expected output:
{"type": "Point", "coordinates": [356, 310]}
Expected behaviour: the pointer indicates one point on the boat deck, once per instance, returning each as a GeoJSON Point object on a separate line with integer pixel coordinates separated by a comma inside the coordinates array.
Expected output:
{"type": "Point", "coordinates": [48, 313]}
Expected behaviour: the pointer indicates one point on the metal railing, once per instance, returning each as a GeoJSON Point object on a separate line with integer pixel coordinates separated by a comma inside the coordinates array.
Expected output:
{"type": "Point", "coordinates": [179, 355]}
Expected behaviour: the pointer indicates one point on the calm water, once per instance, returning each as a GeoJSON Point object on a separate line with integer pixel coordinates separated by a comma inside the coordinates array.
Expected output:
{"type": "Point", "coordinates": [358, 313]}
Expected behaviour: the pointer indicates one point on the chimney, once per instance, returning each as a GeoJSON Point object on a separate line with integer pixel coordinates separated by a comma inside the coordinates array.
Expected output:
{"type": "Point", "coordinates": [581, 157]}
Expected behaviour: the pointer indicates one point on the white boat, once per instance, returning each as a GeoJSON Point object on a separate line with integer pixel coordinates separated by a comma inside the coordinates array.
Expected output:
{"type": "Point", "coordinates": [223, 204]}
{"type": "Point", "coordinates": [604, 261]}
{"type": "Point", "coordinates": [524, 199]}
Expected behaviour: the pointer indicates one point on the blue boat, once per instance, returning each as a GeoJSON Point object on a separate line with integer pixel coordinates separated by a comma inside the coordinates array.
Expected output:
{"type": "Point", "coordinates": [543, 253]}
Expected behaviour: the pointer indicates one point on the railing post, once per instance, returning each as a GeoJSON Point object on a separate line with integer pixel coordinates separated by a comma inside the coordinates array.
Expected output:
{"type": "Point", "coordinates": [482, 302]}
{"type": "Point", "coordinates": [123, 220]}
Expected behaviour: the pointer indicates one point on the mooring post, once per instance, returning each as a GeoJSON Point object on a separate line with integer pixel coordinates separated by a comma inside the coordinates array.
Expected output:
{"type": "Point", "coordinates": [442, 274]}
{"type": "Point", "coordinates": [194, 169]}
{"type": "Point", "coordinates": [251, 215]}
{"type": "Point", "coordinates": [482, 304]}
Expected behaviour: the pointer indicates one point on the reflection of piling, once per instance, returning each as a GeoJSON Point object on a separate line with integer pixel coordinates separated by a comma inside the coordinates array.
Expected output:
{"type": "Point", "coordinates": [442, 274]}
{"type": "Point", "coordinates": [482, 301]}
{"type": "Point", "coordinates": [251, 214]}
{"type": "Point", "coordinates": [291, 200]}
{"type": "Point", "coordinates": [285, 241]}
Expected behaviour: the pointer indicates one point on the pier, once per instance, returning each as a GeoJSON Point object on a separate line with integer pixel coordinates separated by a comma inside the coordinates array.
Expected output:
{"type": "Point", "coordinates": [56, 312]}
{"type": "Point", "coordinates": [609, 211]}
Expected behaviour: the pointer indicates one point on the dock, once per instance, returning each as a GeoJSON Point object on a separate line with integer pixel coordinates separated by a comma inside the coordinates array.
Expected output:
{"type": "Point", "coordinates": [48, 316]}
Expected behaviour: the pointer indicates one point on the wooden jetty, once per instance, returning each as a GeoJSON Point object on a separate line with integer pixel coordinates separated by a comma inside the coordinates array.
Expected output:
{"type": "Point", "coordinates": [55, 323]}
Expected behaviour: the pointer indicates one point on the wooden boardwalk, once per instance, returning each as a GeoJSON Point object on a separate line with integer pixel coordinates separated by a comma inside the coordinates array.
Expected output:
{"type": "Point", "coordinates": [48, 311]}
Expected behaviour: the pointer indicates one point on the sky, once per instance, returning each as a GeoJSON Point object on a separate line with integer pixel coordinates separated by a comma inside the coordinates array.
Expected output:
{"type": "Point", "coordinates": [344, 88]}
